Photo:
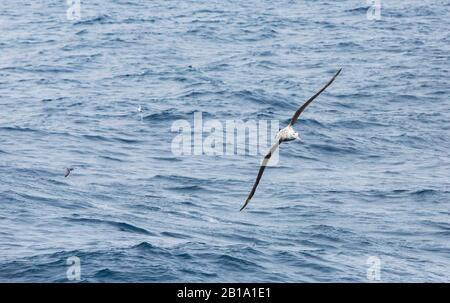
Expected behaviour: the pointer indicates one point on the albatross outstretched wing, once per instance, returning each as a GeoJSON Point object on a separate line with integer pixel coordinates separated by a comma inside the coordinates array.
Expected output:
{"type": "Point", "coordinates": [261, 171]}
{"type": "Point", "coordinates": [302, 108]}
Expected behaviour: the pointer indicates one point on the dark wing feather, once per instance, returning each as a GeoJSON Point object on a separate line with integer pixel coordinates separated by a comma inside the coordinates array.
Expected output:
{"type": "Point", "coordinates": [261, 171]}
{"type": "Point", "coordinates": [302, 108]}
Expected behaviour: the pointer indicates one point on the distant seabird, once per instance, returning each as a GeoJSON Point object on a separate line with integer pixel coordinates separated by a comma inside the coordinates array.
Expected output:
{"type": "Point", "coordinates": [286, 134]}
{"type": "Point", "coordinates": [68, 171]}
{"type": "Point", "coordinates": [141, 111]}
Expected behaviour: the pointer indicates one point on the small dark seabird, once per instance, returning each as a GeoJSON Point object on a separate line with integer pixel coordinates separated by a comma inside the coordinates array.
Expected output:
{"type": "Point", "coordinates": [286, 134]}
{"type": "Point", "coordinates": [68, 171]}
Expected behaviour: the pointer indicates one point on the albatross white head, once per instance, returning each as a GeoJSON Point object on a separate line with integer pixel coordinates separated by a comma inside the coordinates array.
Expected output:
{"type": "Point", "coordinates": [287, 134]}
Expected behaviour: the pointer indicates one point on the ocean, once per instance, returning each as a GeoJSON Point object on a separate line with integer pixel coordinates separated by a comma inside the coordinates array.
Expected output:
{"type": "Point", "coordinates": [364, 197]}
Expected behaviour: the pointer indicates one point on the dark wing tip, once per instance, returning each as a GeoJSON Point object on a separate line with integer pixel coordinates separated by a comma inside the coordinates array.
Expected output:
{"type": "Point", "coordinates": [303, 107]}
{"type": "Point", "coordinates": [335, 75]}
{"type": "Point", "coordinates": [245, 204]}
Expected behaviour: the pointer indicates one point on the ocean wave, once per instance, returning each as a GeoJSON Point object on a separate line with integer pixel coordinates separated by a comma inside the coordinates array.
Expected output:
{"type": "Point", "coordinates": [122, 226]}
{"type": "Point", "coordinates": [167, 115]}
{"type": "Point", "coordinates": [334, 149]}
{"type": "Point", "coordinates": [111, 139]}
{"type": "Point", "coordinates": [99, 19]}
{"type": "Point", "coordinates": [175, 235]}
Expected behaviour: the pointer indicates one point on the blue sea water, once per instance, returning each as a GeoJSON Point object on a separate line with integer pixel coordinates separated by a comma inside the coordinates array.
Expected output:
{"type": "Point", "coordinates": [371, 177]}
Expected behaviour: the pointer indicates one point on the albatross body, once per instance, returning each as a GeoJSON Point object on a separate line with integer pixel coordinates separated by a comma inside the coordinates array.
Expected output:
{"type": "Point", "coordinates": [286, 134]}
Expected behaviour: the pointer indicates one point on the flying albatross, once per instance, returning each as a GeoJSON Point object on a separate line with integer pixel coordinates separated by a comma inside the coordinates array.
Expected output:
{"type": "Point", "coordinates": [286, 134]}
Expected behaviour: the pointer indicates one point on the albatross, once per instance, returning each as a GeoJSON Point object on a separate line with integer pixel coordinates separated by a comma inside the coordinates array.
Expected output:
{"type": "Point", "coordinates": [286, 134]}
